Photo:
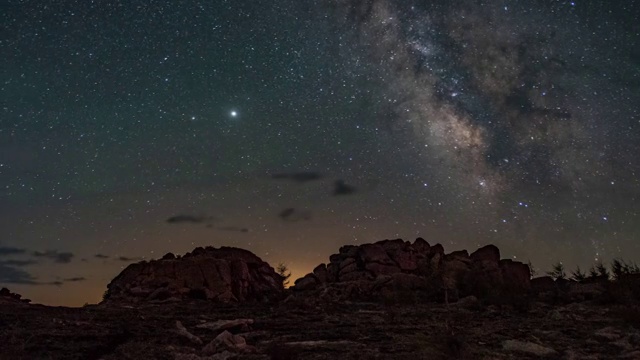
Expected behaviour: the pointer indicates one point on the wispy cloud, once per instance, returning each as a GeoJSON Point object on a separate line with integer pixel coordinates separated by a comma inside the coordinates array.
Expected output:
{"type": "Point", "coordinates": [55, 255]}
{"type": "Point", "coordinates": [12, 275]}
{"type": "Point", "coordinates": [129, 259]}
{"type": "Point", "coordinates": [13, 262]}
{"type": "Point", "coordinates": [8, 250]}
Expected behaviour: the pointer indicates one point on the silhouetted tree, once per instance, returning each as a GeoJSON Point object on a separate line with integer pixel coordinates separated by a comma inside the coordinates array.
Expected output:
{"type": "Point", "coordinates": [578, 275]}
{"type": "Point", "coordinates": [620, 267]}
{"type": "Point", "coordinates": [617, 268]}
{"type": "Point", "coordinates": [283, 271]}
{"type": "Point", "coordinates": [602, 271]}
{"type": "Point", "coordinates": [557, 271]}
{"type": "Point", "coordinates": [593, 273]}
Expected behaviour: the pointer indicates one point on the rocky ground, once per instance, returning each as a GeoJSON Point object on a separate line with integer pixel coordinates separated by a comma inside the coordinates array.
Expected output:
{"type": "Point", "coordinates": [392, 299]}
{"type": "Point", "coordinates": [298, 329]}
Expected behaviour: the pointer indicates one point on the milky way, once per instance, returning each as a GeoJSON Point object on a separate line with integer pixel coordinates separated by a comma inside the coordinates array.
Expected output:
{"type": "Point", "coordinates": [506, 93]}
{"type": "Point", "coordinates": [128, 130]}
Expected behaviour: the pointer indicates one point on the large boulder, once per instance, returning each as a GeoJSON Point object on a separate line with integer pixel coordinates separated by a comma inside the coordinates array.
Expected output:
{"type": "Point", "coordinates": [221, 275]}
{"type": "Point", "coordinates": [489, 253]}
{"type": "Point", "coordinates": [516, 276]}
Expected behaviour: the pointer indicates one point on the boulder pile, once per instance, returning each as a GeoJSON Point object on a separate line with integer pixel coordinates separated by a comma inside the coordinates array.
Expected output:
{"type": "Point", "coordinates": [7, 296]}
{"type": "Point", "coordinates": [373, 271]}
{"type": "Point", "coordinates": [226, 275]}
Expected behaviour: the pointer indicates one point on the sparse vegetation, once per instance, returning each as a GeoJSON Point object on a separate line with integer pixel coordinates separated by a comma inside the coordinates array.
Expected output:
{"type": "Point", "coordinates": [283, 271]}
{"type": "Point", "coordinates": [557, 271]}
{"type": "Point", "coordinates": [578, 275]}
{"type": "Point", "coordinates": [602, 271]}
{"type": "Point", "coordinates": [620, 268]}
{"type": "Point", "coordinates": [532, 271]}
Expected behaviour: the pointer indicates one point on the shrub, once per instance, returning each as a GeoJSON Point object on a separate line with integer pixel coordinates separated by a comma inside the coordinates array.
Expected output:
{"type": "Point", "coordinates": [283, 271]}
{"type": "Point", "coordinates": [578, 275]}
{"type": "Point", "coordinates": [557, 271]}
{"type": "Point", "coordinates": [602, 271]}
{"type": "Point", "coordinates": [620, 268]}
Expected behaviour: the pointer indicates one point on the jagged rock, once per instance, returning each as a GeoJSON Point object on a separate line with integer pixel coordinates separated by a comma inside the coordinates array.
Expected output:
{"type": "Point", "coordinates": [374, 253]}
{"type": "Point", "coordinates": [308, 282]}
{"type": "Point", "coordinates": [381, 269]}
{"type": "Point", "coordinates": [219, 275]}
{"type": "Point", "coordinates": [489, 253]}
{"type": "Point", "coordinates": [228, 341]}
{"type": "Point", "coordinates": [182, 331]}
{"type": "Point", "coordinates": [346, 266]}
{"type": "Point", "coordinates": [516, 276]}
{"type": "Point", "coordinates": [407, 261]}
{"type": "Point", "coordinates": [392, 246]}
{"type": "Point", "coordinates": [357, 276]}
{"type": "Point", "coordinates": [408, 282]}
{"type": "Point", "coordinates": [396, 264]}
{"type": "Point", "coordinates": [460, 255]}
{"type": "Point", "coordinates": [168, 256]}
{"type": "Point", "coordinates": [437, 249]}
{"type": "Point", "coordinates": [435, 262]}
{"type": "Point", "coordinates": [7, 296]}
{"type": "Point", "coordinates": [421, 245]}
{"type": "Point", "coordinates": [321, 274]}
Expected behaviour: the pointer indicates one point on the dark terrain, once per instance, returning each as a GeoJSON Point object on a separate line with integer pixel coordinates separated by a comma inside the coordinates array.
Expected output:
{"type": "Point", "coordinates": [387, 300]}
{"type": "Point", "coordinates": [338, 331]}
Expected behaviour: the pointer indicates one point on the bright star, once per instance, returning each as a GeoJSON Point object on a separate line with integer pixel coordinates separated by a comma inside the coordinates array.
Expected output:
{"type": "Point", "coordinates": [233, 113]}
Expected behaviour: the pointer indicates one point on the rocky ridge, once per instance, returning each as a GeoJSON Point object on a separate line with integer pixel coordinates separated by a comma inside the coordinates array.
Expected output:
{"type": "Point", "coordinates": [389, 267]}
{"type": "Point", "coordinates": [226, 275]}
{"type": "Point", "coordinates": [7, 296]}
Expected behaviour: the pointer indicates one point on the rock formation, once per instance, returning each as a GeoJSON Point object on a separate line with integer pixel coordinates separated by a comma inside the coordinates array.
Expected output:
{"type": "Point", "coordinates": [7, 296]}
{"type": "Point", "coordinates": [370, 271]}
{"type": "Point", "coordinates": [221, 275]}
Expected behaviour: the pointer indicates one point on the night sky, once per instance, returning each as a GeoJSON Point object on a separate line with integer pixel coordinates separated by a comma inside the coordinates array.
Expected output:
{"type": "Point", "coordinates": [129, 129]}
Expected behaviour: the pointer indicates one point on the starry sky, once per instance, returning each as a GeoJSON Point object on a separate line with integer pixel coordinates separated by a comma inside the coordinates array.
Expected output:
{"type": "Point", "coordinates": [129, 129]}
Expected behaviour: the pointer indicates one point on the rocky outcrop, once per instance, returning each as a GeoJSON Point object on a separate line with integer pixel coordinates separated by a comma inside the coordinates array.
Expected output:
{"type": "Point", "coordinates": [388, 266]}
{"type": "Point", "coordinates": [7, 296]}
{"type": "Point", "coordinates": [221, 275]}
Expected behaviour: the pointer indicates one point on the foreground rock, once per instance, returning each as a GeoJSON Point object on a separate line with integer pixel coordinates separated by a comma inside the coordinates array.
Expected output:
{"type": "Point", "coordinates": [346, 330]}
{"type": "Point", "coordinates": [396, 268]}
{"type": "Point", "coordinates": [226, 275]}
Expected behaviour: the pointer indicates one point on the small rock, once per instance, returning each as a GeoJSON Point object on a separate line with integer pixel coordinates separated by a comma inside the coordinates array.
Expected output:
{"type": "Point", "coordinates": [182, 331]}
{"type": "Point", "coordinates": [527, 347]}
{"type": "Point", "coordinates": [608, 333]}
{"type": "Point", "coordinates": [467, 301]}
{"type": "Point", "coordinates": [234, 343]}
